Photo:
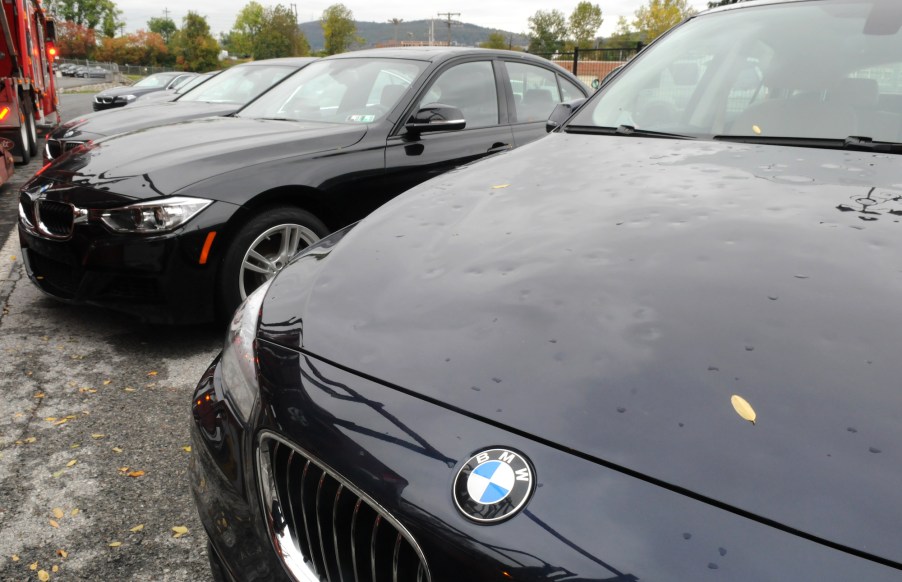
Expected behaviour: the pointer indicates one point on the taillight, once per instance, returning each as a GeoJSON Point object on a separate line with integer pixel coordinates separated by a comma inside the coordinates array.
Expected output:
{"type": "Point", "coordinates": [51, 50]}
{"type": "Point", "coordinates": [3, 113]}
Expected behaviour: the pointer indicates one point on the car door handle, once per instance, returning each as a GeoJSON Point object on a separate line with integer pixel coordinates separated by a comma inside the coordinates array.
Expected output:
{"type": "Point", "coordinates": [498, 147]}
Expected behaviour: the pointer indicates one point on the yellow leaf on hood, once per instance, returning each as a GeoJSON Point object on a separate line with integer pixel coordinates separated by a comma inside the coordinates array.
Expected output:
{"type": "Point", "coordinates": [97, 435]}
{"type": "Point", "coordinates": [54, 523]}
{"type": "Point", "coordinates": [58, 513]}
{"type": "Point", "coordinates": [43, 576]}
{"type": "Point", "coordinates": [117, 450]}
{"type": "Point", "coordinates": [136, 474]}
{"type": "Point", "coordinates": [179, 530]}
{"type": "Point", "coordinates": [107, 382]}
{"type": "Point", "coordinates": [154, 373]}
{"type": "Point", "coordinates": [71, 463]}
{"type": "Point", "coordinates": [15, 558]}
{"type": "Point", "coordinates": [55, 569]}
{"type": "Point", "coordinates": [115, 544]}
{"type": "Point", "coordinates": [33, 566]}
{"type": "Point", "coordinates": [75, 512]}
{"type": "Point", "coordinates": [62, 554]}
{"type": "Point", "coordinates": [187, 449]}
{"type": "Point", "coordinates": [137, 528]}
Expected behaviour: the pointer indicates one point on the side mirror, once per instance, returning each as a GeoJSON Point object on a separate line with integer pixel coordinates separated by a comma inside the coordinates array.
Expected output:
{"type": "Point", "coordinates": [436, 117]}
{"type": "Point", "coordinates": [50, 30]}
{"type": "Point", "coordinates": [562, 112]}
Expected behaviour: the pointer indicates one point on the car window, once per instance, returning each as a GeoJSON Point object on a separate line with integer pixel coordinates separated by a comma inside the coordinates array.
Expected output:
{"type": "Point", "coordinates": [346, 90]}
{"type": "Point", "coordinates": [767, 71]}
{"type": "Point", "coordinates": [154, 81]}
{"type": "Point", "coordinates": [535, 91]}
{"type": "Point", "coordinates": [569, 90]}
{"type": "Point", "coordinates": [239, 84]}
{"type": "Point", "coordinates": [471, 88]}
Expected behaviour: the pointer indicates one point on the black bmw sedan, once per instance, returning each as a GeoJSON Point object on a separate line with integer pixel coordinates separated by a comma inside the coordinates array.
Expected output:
{"type": "Point", "coordinates": [180, 222]}
{"type": "Point", "coordinates": [122, 96]}
{"type": "Point", "coordinates": [661, 344]}
{"type": "Point", "coordinates": [222, 95]}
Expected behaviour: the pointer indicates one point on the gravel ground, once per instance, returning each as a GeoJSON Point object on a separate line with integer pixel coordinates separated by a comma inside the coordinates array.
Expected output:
{"type": "Point", "coordinates": [94, 420]}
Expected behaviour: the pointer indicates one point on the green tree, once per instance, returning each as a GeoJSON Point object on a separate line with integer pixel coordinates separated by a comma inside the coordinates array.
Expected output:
{"type": "Point", "coordinates": [659, 16]}
{"type": "Point", "coordinates": [584, 24]}
{"type": "Point", "coordinates": [624, 37]}
{"type": "Point", "coordinates": [164, 26]}
{"type": "Point", "coordinates": [87, 13]}
{"type": "Point", "coordinates": [194, 47]}
{"type": "Point", "coordinates": [111, 22]}
{"type": "Point", "coordinates": [279, 35]}
{"type": "Point", "coordinates": [339, 29]}
{"type": "Point", "coordinates": [496, 40]}
{"type": "Point", "coordinates": [246, 29]}
{"type": "Point", "coordinates": [547, 31]}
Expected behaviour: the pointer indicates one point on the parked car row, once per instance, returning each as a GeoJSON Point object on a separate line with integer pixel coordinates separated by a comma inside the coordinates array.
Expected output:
{"type": "Point", "coordinates": [634, 349]}
{"type": "Point", "coordinates": [86, 71]}
{"type": "Point", "coordinates": [122, 96]}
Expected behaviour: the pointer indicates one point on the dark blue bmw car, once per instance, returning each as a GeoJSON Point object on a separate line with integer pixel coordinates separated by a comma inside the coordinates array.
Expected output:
{"type": "Point", "coordinates": [659, 344]}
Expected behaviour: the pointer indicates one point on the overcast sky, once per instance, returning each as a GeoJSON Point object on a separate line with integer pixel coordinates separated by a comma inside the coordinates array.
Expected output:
{"type": "Point", "coordinates": [510, 15]}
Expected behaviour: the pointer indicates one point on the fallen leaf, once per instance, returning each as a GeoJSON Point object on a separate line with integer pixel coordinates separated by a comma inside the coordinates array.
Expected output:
{"type": "Point", "coordinates": [71, 463]}
{"type": "Point", "coordinates": [128, 389]}
{"type": "Point", "coordinates": [30, 440]}
{"type": "Point", "coordinates": [33, 566]}
{"type": "Point", "coordinates": [62, 554]}
{"type": "Point", "coordinates": [179, 531]}
{"type": "Point", "coordinates": [137, 528]}
{"type": "Point", "coordinates": [97, 435]}
{"type": "Point", "coordinates": [74, 445]}
{"type": "Point", "coordinates": [117, 450]}
{"type": "Point", "coordinates": [152, 373]}
{"type": "Point", "coordinates": [58, 513]}
{"type": "Point", "coordinates": [187, 449]}
{"type": "Point", "coordinates": [50, 419]}
{"type": "Point", "coordinates": [15, 558]}
{"type": "Point", "coordinates": [500, 186]}
{"type": "Point", "coordinates": [71, 417]}
{"type": "Point", "coordinates": [55, 569]}
{"type": "Point", "coordinates": [136, 474]}
{"type": "Point", "coordinates": [107, 382]}
{"type": "Point", "coordinates": [115, 544]}
{"type": "Point", "coordinates": [54, 523]}
{"type": "Point", "coordinates": [61, 421]}
{"type": "Point", "coordinates": [43, 576]}
{"type": "Point", "coordinates": [38, 395]}
{"type": "Point", "coordinates": [58, 474]}
{"type": "Point", "coordinates": [123, 469]}
{"type": "Point", "coordinates": [75, 512]}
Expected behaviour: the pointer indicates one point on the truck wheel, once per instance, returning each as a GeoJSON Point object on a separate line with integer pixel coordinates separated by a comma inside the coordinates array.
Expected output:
{"type": "Point", "coordinates": [22, 144]}
{"type": "Point", "coordinates": [32, 128]}
{"type": "Point", "coordinates": [261, 248]}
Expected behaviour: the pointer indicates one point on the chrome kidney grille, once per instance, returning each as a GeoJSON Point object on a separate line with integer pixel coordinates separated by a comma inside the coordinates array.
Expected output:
{"type": "Point", "coordinates": [324, 529]}
{"type": "Point", "coordinates": [55, 218]}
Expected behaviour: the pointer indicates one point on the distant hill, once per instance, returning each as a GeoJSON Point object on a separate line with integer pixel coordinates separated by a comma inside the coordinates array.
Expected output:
{"type": "Point", "coordinates": [374, 33]}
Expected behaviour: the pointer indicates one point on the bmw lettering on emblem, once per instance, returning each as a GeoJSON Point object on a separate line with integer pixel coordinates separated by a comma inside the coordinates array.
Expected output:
{"type": "Point", "coordinates": [493, 485]}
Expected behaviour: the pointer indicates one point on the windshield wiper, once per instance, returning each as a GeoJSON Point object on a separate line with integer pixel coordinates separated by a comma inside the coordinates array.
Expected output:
{"type": "Point", "coordinates": [853, 142]}
{"type": "Point", "coordinates": [624, 130]}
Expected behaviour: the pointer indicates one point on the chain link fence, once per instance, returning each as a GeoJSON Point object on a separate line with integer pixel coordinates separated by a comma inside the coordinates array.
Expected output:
{"type": "Point", "coordinates": [103, 70]}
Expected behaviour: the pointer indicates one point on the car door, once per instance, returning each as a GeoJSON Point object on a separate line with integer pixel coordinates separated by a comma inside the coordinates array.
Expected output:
{"type": "Point", "coordinates": [472, 86]}
{"type": "Point", "coordinates": [535, 90]}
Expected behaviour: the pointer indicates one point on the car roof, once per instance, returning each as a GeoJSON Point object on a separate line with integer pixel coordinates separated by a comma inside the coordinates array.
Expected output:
{"type": "Point", "coordinates": [296, 61]}
{"type": "Point", "coordinates": [433, 53]}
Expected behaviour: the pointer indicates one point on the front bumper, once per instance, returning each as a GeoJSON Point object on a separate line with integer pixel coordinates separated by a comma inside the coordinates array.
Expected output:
{"type": "Point", "coordinates": [112, 104]}
{"type": "Point", "coordinates": [155, 278]}
{"type": "Point", "coordinates": [585, 521]}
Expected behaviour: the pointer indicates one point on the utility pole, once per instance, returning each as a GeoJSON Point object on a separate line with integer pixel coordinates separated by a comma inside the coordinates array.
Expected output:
{"type": "Point", "coordinates": [448, 17]}
{"type": "Point", "coordinates": [166, 12]}
{"type": "Point", "coordinates": [294, 9]}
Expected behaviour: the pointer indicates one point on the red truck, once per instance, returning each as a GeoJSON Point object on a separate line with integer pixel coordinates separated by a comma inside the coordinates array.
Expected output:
{"type": "Point", "coordinates": [28, 100]}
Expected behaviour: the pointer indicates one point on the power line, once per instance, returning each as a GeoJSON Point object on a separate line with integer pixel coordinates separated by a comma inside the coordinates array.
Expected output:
{"type": "Point", "coordinates": [448, 17]}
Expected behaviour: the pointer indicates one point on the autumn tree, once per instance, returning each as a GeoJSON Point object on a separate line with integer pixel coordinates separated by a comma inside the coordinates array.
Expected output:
{"type": "Point", "coordinates": [547, 31]}
{"type": "Point", "coordinates": [74, 41]}
{"type": "Point", "coordinates": [659, 16]}
{"type": "Point", "coordinates": [279, 35]}
{"type": "Point", "coordinates": [139, 48]}
{"type": "Point", "coordinates": [164, 26]}
{"type": "Point", "coordinates": [339, 29]}
{"type": "Point", "coordinates": [624, 37]}
{"type": "Point", "coordinates": [496, 40]}
{"type": "Point", "coordinates": [194, 46]}
{"type": "Point", "coordinates": [584, 24]}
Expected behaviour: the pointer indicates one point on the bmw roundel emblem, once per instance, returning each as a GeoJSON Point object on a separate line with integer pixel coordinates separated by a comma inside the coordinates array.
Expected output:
{"type": "Point", "coordinates": [493, 485]}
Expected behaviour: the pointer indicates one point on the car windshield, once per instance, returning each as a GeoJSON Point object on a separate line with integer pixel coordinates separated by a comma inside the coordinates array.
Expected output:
{"type": "Point", "coordinates": [808, 70]}
{"type": "Point", "coordinates": [239, 84]}
{"type": "Point", "coordinates": [159, 80]}
{"type": "Point", "coordinates": [346, 90]}
{"type": "Point", "coordinates": [194, 82]}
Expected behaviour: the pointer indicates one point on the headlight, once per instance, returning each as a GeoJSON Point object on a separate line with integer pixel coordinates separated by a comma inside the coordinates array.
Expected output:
{"type": "Point", "coordinates": [239, 369]}
{"type": "Point", "coordinates": [126, 98]}
{"type": "Point", "coordinates": [154, 216]}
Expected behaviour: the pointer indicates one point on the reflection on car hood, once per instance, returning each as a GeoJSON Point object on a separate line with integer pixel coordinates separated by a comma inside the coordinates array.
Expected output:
{"type": "Point", "coordinates": [128, 90]}
{"type": "Point", "coordinates": [162, 160]}
{"type": "Point", "coordinates": [137, 116]}
{"type": "Point", "coordinates": [611, 295]}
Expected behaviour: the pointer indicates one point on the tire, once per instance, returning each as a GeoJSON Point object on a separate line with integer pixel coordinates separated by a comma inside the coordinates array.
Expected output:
{"type": "Point", "coordinates": [32, 129]}
{"type": "Point", "coordinates": [22, 145]}
{"type": "Point", "coordinates": [261, 248]}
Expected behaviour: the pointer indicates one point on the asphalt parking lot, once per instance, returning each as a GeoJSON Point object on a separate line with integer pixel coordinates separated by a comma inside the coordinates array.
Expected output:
{"type": "Point", "coordinates": [93, 432]}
